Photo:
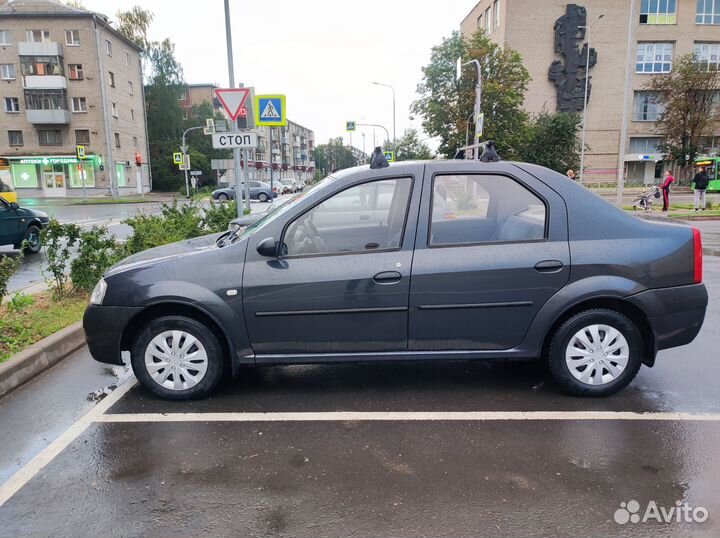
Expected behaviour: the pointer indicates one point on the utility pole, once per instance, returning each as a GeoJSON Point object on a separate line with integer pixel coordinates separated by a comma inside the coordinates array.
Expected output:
{"type": "Point", "coordinates": [628, 80]}
{"type": "Point", "coordinates": [393, 104]}
{"type": "Point", "coordinates": [237, 154]}
{"type": "Point", "coordinates": [184, 148]}
{"type": "Point", "coordinates": [477, 110]}
{"type": "Point", "coordinates": [585, 98]}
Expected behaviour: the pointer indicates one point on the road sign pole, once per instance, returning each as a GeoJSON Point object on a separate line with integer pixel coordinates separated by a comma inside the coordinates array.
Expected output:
{"type": "Point", "coordinates": [271, 162]}
{"type": "Point", "coordinates": [231, 79]}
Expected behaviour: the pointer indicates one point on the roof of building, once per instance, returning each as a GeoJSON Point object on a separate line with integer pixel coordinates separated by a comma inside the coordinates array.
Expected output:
{"type": "Point", "coordinates": [55, 8]}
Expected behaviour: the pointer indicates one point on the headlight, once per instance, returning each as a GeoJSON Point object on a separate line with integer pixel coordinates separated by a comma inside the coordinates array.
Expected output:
{"type": "Point", "coordinates": [98, 293]}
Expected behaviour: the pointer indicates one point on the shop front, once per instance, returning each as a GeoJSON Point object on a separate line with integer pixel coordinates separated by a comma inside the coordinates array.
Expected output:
{"type": "Point", "coordinates": [53, 176]}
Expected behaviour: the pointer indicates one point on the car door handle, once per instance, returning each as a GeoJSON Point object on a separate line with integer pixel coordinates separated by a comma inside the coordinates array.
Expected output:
{"type": "Point", "coordinates": [364, 217]}
{"type": "Point", "coordinates": [387, 277]}
{"type": "Point", "coordinates": [548, 266]}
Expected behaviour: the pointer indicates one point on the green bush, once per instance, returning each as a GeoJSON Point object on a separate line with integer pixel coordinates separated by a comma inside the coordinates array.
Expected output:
{"type": "Point", "coordinates": [218, 216]}
{"type": "Point", "coordinates": [20, 302]}
{"type": "Point", "coordinates": [97, 252]}
{"type": "Point", "coordinates": [8, 266]}
{"type": "Point", "coordinates": [58, 241]}
{"type": "Point", "coordinates": [175, 223]}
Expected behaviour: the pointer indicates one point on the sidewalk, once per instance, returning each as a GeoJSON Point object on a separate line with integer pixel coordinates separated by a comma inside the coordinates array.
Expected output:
{"type": "Point", "coordinates": [710, 230]}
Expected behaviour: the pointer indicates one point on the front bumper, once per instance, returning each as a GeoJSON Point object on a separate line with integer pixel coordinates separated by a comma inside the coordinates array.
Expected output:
{"type": "Point", "coordinates": [675, 314]}
{"type": "Point", "coordinates": [104, 327]}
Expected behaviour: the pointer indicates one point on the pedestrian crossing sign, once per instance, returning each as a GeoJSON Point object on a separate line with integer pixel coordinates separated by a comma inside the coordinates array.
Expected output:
{"type": "Point", "coordinates": [270, 110]}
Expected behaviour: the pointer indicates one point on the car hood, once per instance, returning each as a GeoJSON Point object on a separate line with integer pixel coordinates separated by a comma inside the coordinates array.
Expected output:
{"type": "Point", "coordinates": [27, 213]}
{"type": "Point", "coordinates": [165, 252]}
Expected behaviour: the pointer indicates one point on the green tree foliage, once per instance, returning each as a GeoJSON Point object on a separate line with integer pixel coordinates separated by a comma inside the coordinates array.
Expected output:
{"type": "Point", "coordinates": [333, 156]}
{"type": "Point", "coordinates": [552, 141]}
{"type": "Point", "coordinates": [8, 266]}
{"type": "Point", "coordinates": [97, 251]}
{"type": "Point", "coordinates": [201, 150]}
{"type": "Point", "coordinates": [135, 24]}
{"type": "Point", "coordinates": [688, 96]}
{"type": "Point", "coordinates": [58, 241]}
{"type": "Point", "coordinates": [409, 147]}
{"type": "Point", "coordinates": [445, 104]}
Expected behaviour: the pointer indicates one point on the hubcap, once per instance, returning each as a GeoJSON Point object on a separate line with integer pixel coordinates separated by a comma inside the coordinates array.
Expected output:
{"type": "Point", "coordinates": [33, 239]}
{"type": "Point", "coordinates": [597, 354]}
{"type": "Point", "coordinates": [176, 360]}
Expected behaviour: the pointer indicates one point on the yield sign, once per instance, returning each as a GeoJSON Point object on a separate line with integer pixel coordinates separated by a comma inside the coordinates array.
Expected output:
{"type": "Point", "coordinates": [233, 100]}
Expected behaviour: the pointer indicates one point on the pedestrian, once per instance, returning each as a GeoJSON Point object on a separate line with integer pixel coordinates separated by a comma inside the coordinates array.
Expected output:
{"type": "Point", "coordinates": [571, 174]}
{"type": "Point", "coordinates": [666, 190]}
{"type": "Point", "coordinates": [700, 185]}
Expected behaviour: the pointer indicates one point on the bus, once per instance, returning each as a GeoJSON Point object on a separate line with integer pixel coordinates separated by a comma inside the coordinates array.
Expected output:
{"type": "Point", "coordinates": [712, 166]}
{"type": "Point", "coordinates": [6, 187]}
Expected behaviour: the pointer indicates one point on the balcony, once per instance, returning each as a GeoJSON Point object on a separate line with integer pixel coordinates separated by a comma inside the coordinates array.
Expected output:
{"type": "Point", "coordinates": [44, 82]}
{"type": "Point", "coordinates": [48, 117]}
{"type": "Point", "coordinates": [48, 48]}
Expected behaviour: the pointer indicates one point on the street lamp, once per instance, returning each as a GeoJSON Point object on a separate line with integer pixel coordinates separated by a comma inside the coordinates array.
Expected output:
{"type": "Point", "coordinates": [585, 97]}
{"type": "Point", "coordinates": [393, 94]}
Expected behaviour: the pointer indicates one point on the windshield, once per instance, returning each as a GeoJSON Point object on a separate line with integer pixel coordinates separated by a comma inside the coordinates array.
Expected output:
{"type": "Point", "coordinates": [283, 208]}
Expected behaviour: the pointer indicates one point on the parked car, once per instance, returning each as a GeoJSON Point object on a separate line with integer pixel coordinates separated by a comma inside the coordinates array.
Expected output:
{"type": "Point", "coordinates": [422, 260]}
{"type": "Point", "coordinates": [18, 224]}
{"type": "Point", "coordinates": [258, 191]}
{"type": "Point", "coordinates": [289, 186]}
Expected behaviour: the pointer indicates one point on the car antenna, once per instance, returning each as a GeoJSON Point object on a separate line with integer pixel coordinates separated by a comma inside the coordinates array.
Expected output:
{"type": "Point", "coordinates": [489, 155]}
{"type": "Point", "coordinates": [378, 159]}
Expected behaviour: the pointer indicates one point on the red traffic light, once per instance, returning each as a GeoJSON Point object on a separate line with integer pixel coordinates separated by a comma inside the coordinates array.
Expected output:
{"type": "Point", "coordinates": [138, 158]}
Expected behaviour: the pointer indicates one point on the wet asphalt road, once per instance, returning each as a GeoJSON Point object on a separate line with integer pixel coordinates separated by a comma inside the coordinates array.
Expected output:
{"type": "Point", "coordinates": [148, 468]}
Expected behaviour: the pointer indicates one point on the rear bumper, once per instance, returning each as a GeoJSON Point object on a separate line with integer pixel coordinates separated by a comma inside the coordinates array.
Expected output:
{"type": "Point", "coordinates": [104, 327]}
{"type": "Point", "coordinates": [675, 314]}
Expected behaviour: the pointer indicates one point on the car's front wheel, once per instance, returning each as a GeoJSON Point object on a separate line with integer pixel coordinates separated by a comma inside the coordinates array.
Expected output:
{"type": "Point", "coordinates": [223, 197]}
{"type": "Point", "coordinates": [595, 353]}
{"type": "Point", "coordinates": [31, 241]}
{"type": "Point", "coordinates": [263, 197]}
{"type": "Point", "coordinates": [178, 358]}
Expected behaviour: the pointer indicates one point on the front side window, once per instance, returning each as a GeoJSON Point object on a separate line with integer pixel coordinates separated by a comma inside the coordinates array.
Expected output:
{"type": "Point", "coordinates": [658, 12]}
{"type": "Point", "coordinates": [647, 106]}
{"type": "Point", "coordinates": [707, 55]}
{"type": "Point", "coordinates": [654, 58]}
{"type": "Point", "coordinates": [12, 104]}
{"type": "Point", "coordinates": [707, 12]}
{"type": "Point", "coordinates": [8, 72]}
{"type": "Point", "coordinates": [353, 220]}
{"type": "Point", "coordinates": [72, 38]}
{"type": "Point", "coordinates": [470, 209]}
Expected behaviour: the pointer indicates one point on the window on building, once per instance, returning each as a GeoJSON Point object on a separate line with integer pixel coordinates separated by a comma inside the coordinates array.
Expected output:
{"type": "Point", "coordinates": [8, 72]}
{"type": "Point", "coordinates": [647, 106]}
{"type": "Point", "coordinates": [12, 104]}
{"type": "Point", "coordinates": [708, 12]}
{"type": "Point", "coordinates": [50, 137]}
{"type": "Point", "coordinates": [182, 96]}
{"type": "Point", "coordinates": [131, 90]}
{"type": "Point", "coordinates": [79, 104]}
{"type": "Point", "coordinates": [488, 20]}
{"type": "Point", "coordinates": [72, 38]}
{"type": "Point", "coordinates": [496, 13]}
{"type": "Point", "coordinates": [41, 65]}
{"type": "Point", "coordinates": [108, 47]}
{"type": "Point", "coordinates": [707, 55]}
{"type": "Point", "coordinates": [46, 99]}
{"type": "Point", "coordinates": [38, 36]}
{"type": "Point", "coordinates": [135, 142]}
{"type": "Point", "coordinates": [480, 22]}
{"type": "Point", "coordinates": [15, 138]}
{"type": "Point", "coordinates": [117, 140]}
{"type": "Point", "coordinates": [5, 37]}
{"type": "Point", "coordinates": [82, 137]}
{"type": "Point", "coordinates": [132, 114]}
{"type": "Point", "coordinates": [482, 209]}
{"type": "Point", "coordinates": [114, 110]}
{"type": "Point", "coordinates": [645, 144]}
{"type": "Point", "coordinates": [658, 12]}
{"type": "Point", "coordinates": [654, 58]}
{"type": "Point", "coordinates": [111, 79]}
{"type": "Point", "coordinates": [76, 71]}
{"type": "Point", "coordinates": [127, 58]}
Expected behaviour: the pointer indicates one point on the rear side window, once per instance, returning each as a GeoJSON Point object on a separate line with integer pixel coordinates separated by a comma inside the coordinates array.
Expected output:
{"type": "Point", "coordinates": [468, 209]}
{"type": "Point", "coordinates": [363, 218]}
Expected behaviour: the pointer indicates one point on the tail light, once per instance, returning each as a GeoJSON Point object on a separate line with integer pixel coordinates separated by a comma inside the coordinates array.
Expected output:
{"type": "Point", "coordinates": [697, 244]}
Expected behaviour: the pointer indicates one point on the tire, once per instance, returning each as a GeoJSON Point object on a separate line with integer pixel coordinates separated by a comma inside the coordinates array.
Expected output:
{"type": "Point", "coordinates": [32, 242]}
{"type": "Point", "coordinates": [189, 385]}
{"type": "Point", "coordinates": [223, 197]}
{"type": "Point", "coordinates": [605, 372]}
{"type": "Point", "coordinates": [263, 197]}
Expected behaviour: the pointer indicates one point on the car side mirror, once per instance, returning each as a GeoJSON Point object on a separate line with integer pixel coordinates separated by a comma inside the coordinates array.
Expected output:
{"type": "Point", "coordinates": [14, 205]}
{"type": "Point", "coordinates": [267, 247]}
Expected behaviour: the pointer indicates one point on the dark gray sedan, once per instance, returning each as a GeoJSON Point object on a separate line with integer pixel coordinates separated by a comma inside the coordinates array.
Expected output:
{"type": "Point", "coordinates": [258, 191]}
{"type": "Point", "coordinates": [440, 260]}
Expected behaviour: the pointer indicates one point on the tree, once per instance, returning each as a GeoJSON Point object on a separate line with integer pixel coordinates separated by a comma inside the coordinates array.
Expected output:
{"type": "Point", "coordinates": [409, 147]}
{"type": "Point", "coordinates": [134, 24]}
{"type": "Point", "coordinates": [552, 141]}
{"type": "Point", "coordinates": [688, 96]}
{"type": "Point", "coordinates": [445, 105]}
{"type": "Point", "coordinates": [333, 156]}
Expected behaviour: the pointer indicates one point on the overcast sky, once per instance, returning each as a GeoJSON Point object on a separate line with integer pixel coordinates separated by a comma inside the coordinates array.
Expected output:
{"type": "Point", "coordinates": [323, 54]}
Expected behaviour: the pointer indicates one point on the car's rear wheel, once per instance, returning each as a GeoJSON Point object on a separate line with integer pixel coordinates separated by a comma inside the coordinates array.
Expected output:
{"type": "Point", "coordinates": [32, 242]}
{"type": "Point", "coordinates": [223, 197]}
{"type": "Point", "coordinates": [263, 197]}
{"type": "Point", "coordinates": [178, 358]}
{"type": "Point", "coordinates": [595, 353]}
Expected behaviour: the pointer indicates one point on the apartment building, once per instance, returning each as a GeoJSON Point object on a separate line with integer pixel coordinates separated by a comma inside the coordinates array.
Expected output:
{"type": "Point", "coordinates": [68, 79]}
{"type": "Point", "coordinates": [195, 94]}
{"type": "Point", "coordinates": [630, 41]}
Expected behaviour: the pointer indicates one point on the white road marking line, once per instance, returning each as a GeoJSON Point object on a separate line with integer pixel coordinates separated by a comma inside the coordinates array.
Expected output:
{"type": "Point", "coordinates": [35, 465]}
{"type": "Point", "coordinates": [404, 416]}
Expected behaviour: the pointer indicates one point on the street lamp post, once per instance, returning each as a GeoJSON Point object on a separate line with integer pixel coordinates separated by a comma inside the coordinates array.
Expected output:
{"type": "Point", "coordinates": [393, 96]}
{"type": "Point", "coordinates": [184, 148]}
{"type": "Point", "coordinates": [477, 110]}
{"type": "Point", "coordinates": [585, 98]}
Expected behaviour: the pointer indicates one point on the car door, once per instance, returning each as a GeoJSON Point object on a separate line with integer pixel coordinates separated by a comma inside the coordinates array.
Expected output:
{"type": "Point", "coordinates": [334, 289]}
{"type": "Point", "coordinates": [9, 224]}
{"type": "Point", "coordinates": [491, 249]}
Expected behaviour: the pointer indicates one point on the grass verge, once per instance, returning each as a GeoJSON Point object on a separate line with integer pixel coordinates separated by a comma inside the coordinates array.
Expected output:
{"type": "Point", "coordinates": [104, 201]}
{"type": "Point", "coordinates": [20, 329]}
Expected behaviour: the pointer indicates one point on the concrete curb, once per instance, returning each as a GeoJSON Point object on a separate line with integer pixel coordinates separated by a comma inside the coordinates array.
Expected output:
{"type": "Point", "coordinates": [711, 251]}
{"type": "Point", "coordinates": [25, 365]}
